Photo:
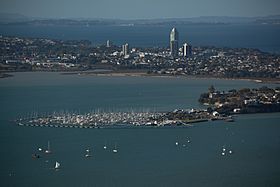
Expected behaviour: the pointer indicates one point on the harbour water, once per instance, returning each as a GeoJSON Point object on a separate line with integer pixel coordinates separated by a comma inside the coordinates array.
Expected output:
{"type": "Point", "coordinates": [146, 156]}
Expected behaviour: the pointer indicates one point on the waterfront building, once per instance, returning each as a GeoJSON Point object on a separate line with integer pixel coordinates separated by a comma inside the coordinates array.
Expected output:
{"type": "Point", "coordinates": [125, 49]}
{"type": "Point", "coordinates": [187, 50]}
{"type": "Point", "coordinates": [174, 38]}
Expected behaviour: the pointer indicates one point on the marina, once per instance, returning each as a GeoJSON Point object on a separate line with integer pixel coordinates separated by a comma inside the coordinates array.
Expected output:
{"type": "Point", "coordinates": [121, 119]}
{"type": "Point", "coordinates": [91, 120]}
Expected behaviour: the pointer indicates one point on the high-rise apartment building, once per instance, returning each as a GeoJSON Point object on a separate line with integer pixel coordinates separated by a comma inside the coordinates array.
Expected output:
{"type": "Point", "coordinates": [125, 49]}
{"type": "Point", "coordinates": [187, 50]}
{"type": "Point", "coordinates": [174, 38]}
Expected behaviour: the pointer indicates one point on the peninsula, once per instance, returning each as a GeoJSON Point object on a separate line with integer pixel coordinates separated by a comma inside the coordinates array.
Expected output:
{"type": "Point", "coordinates": [41, 54]}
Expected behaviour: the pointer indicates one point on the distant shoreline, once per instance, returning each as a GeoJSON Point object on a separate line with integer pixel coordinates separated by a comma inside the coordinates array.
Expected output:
{"type": "Point", "coordinates": [5, 75]}
{"type": "Point", "coordinates": [139, 73]}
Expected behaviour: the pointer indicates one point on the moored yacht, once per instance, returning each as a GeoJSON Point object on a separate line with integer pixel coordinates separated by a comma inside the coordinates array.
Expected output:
{"type": "Point", "coordinates": [87, 153]}
{"type": "Point", "coordinates": [115, 150]}
{"type": "Point", "coordinates": [48, 151]}
{"type": "Point", "coordinates": [105, 146]}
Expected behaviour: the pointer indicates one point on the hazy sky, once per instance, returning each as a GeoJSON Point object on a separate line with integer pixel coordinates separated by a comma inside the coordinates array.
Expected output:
{"type": "Point", "coordinates": [131, 9]}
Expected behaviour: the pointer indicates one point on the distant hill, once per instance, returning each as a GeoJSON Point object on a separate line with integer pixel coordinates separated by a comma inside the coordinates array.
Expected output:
{"type": "Point", "coordinates": [275, 20]}
{"type": "Point", "coordinates": [7, 18]}
{"type": "Point", "coordinates": [10, 18]}
{"type": "Point", "coordinates": [211, 20]}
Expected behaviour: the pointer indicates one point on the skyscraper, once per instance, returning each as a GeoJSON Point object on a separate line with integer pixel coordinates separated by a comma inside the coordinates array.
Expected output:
{"type": "Point", "coordinates": [174, 47]}
{"type": "Point", "coordinates": [187, 50]}
{"type": "Point", "coordinates": [125, 49]}
{"type": "Point", "coordinates": [108, 43]}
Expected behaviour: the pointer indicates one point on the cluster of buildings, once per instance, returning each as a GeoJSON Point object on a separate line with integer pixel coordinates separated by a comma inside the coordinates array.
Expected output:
{"type": "Point", "coordinates": [186, 50]}
{"type": "Point", "coordinates": [27, 54]}
{"type": "Point", "coordinates": [175, 51]}
{"type": "Point", "coordinates": [225, 63]}
{"type": "Point", "coordinates": [244, 100]}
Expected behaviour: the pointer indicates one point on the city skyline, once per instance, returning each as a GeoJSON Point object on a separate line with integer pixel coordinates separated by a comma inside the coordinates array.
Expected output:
{"type": "Point", "coordinates": [125, 9]}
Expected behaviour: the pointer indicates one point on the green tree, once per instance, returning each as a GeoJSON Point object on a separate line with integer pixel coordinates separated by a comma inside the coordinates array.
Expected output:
{"type": "Point", "coordinates": [211, 89]}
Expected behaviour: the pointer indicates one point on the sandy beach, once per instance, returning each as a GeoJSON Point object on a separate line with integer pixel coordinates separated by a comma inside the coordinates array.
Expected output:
{"type": "Point", "coordinates": [138, 73]}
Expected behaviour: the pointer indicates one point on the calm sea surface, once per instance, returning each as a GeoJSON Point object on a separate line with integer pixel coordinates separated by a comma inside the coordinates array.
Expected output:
{"type": "Point", "coordinates": [146, 157]}
{"type": "Point", "coordinates": [264, 37]}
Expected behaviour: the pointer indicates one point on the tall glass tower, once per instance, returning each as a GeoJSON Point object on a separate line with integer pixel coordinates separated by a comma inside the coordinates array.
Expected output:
{"type": "Point", "coordinates": [125, 49]}
{"type": "Point", "coordinates": [174, 46]}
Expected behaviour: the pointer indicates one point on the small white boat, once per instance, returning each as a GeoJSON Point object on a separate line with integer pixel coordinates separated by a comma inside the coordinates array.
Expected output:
{"type": "Point", "coordinates": [176, 143]}
{"type": "Point", "coordinates": [105, 145]}
{"type": "Point", "coordinates": [88, 153]}
{"type": "Point", "coordinates": [115, 149]}
{"type": "Point", "coordinates": [48, 151]}
{"type": "Point", "coordinates": [57, 165]}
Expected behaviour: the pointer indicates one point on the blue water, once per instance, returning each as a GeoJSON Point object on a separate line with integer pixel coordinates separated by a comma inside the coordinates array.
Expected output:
{"type": "Point", "coordinates": [263, 37]}
{"type": "Point", "coordinates": [146, 157]}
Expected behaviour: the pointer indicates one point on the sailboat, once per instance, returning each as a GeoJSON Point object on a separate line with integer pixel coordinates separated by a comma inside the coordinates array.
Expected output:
{"type": "Point", "coordinates": [88, 153]}
{"type": "Point", "coordinates": [115, 149]}
{"type": "Point", "coordinates": [48, 151]}
{"type": "Point", "coordinates": [105, 146]}
{"type": "Point", "coordinates": [57, 165]}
